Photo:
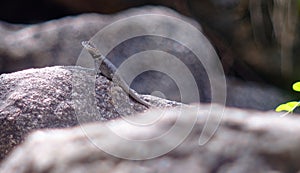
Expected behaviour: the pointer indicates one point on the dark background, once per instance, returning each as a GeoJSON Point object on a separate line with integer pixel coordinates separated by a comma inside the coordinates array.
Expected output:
{"type": "Point", "coordinates": [257, 40]}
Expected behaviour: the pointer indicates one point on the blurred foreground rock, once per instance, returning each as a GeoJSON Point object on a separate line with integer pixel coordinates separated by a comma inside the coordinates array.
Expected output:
{"type": "Point", "coordinates": [246, 141]}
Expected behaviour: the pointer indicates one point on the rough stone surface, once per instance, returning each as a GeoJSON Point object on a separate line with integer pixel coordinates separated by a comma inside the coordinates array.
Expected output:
{"type": "Point", "coordinates": [53, 97]}
{"type": "Point", "coordinates": [246, 141]}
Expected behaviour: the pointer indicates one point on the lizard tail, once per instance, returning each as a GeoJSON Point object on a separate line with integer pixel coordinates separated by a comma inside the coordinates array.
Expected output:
{"type": "Point", "coordinates": [135, 96]}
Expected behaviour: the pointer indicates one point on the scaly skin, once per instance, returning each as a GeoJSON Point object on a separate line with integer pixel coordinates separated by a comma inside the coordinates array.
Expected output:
{"type": "Point", "coordinates": [105, 67]}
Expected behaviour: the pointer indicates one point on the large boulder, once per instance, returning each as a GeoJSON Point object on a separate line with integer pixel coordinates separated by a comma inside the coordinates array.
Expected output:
{"type": "Point", "coordinates": [53, 97]}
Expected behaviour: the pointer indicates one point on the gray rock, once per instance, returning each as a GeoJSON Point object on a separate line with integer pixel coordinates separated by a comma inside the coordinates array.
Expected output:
{"type": "Point", "coordinates": [252, 95]}
{"type": "Point", "coordinates": [246, 141]}
{"type": "Point", "coordinates": [54, 97]}
{"type": "Point", "coordinates": [59, 41]}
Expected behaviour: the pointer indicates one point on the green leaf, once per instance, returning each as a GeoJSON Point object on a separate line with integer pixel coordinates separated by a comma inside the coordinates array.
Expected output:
{"type": "Point", "coordinates": [289, 106]}
{"type": "Point", "coordinates": [296, 86]}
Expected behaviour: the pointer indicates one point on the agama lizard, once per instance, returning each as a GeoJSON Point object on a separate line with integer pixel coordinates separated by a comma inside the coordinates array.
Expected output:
{"type": "Point", "coordinates": [105, 67]}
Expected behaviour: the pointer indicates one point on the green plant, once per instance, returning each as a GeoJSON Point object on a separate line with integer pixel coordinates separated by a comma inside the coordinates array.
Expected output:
{"type": "Point", "coordinates": [292, 105]}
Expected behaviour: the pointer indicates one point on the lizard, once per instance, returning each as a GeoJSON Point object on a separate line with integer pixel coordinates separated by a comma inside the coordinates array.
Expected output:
{"type": "Point", "coordinates": [108, 69]}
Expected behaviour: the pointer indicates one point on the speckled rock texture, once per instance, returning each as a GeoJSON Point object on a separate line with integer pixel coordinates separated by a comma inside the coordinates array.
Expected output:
{"type": "Point", "coordinates": [245, 142]}
{"type": "Point", "coordinates": [53, 97]}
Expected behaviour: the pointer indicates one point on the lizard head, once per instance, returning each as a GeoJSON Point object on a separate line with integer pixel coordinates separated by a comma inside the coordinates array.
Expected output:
{"type": "Point", "coordinates": [91, 48]}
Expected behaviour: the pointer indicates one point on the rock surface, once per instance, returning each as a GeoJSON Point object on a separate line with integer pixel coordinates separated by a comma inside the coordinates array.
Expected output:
{"type": "Point", "coordinates": [246, 141]}
{"type": "Point", "coordinates": [53, 97]}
